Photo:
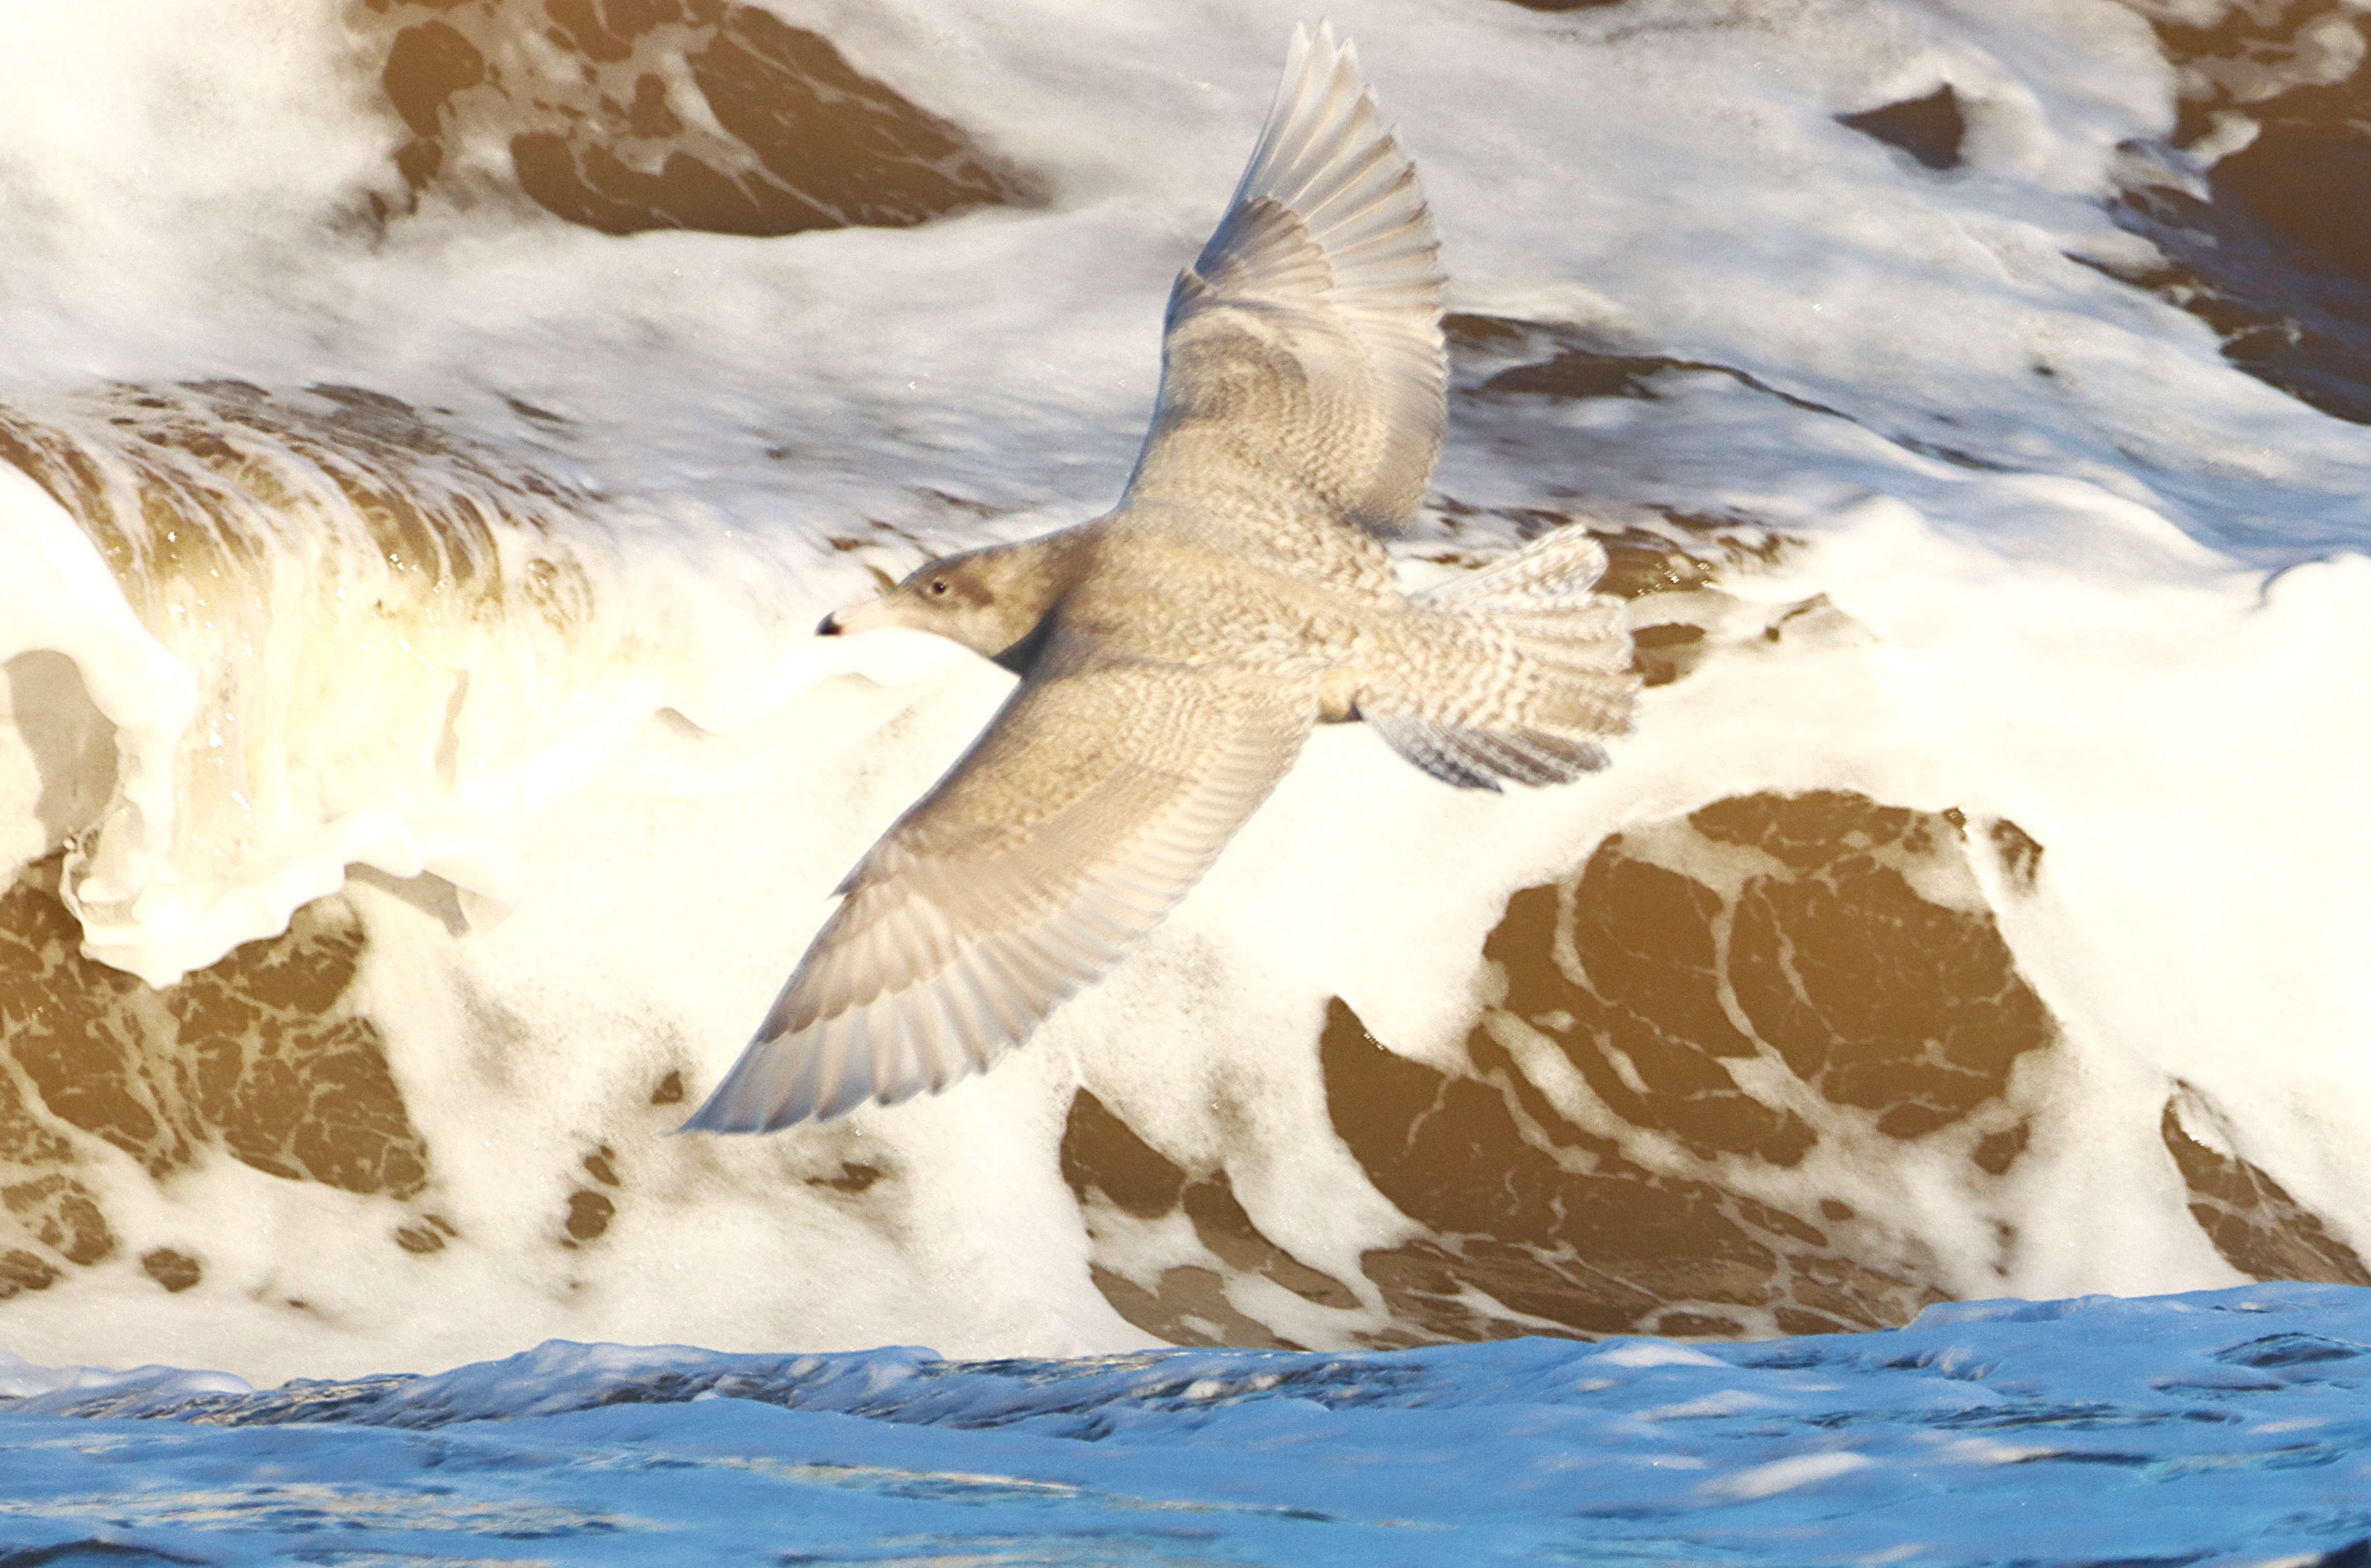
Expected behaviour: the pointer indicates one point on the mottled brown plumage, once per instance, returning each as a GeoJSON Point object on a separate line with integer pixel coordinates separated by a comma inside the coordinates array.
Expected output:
{"type": "Point", "coordinates": [1176, 654]}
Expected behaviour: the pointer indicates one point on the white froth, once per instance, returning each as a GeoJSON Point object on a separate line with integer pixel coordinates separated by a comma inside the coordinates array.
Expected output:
{"type": "Point", "coordinates": [62, 599]}
{"type": "Point", "coordinates": [2143, 647]}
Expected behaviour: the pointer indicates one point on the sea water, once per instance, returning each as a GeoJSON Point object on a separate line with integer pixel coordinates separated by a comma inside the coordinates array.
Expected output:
{"type": "Point", "coordinates": [2221, 1427]}
{"type": "Point", "coordinates": [430, 433]}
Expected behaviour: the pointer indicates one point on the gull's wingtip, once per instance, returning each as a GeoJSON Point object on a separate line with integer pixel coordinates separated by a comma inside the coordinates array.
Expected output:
{"type": "Point", "coordinates": [1316, 53]}
{"type": "Point", "coordinates": [1321, 38]}
{"type": "Point", "coordinates": [1314, 60]}
{"type": "Point", "coordinates": [769, 1088]}
{"type": "Point", "coordinates": [821, 1069]}
{"type": "Point", "coordinates": [722, 1114]}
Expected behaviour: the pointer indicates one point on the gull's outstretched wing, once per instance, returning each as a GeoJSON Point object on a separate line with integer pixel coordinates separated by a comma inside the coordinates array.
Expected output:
{"type": "Point", "coordinates": [1303, 381]}
{"type": "Point", "coordinates": [1098, 795]}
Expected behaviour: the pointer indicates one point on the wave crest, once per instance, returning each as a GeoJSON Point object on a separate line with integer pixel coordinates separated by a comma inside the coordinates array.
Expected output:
{"type": "Point", "coordinates": [374, 631]}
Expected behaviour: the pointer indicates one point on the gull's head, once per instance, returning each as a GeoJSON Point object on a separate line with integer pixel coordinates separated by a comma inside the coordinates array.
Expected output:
{"type": "Point", "coordinates": [990, 600]}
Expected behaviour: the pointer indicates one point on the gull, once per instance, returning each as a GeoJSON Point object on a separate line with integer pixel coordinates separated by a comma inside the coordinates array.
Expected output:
{"type": "Point", "coordinates": [1176, 654]}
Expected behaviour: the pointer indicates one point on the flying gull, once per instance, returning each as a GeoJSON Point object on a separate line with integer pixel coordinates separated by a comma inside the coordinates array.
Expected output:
{"type": "Point", "coordinates": [1174, 654]}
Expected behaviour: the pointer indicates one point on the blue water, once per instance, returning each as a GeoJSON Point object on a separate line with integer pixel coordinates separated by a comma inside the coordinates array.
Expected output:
{"type": "Point", "coordinates": [2218, 1427]}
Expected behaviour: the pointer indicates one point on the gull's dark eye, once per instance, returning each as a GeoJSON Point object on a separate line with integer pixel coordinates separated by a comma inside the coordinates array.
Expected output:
{"type": "Point", "coordinates": [938, 585]}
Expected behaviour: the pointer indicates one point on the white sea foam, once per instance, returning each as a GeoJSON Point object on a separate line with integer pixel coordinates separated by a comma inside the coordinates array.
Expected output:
{"type": "Point", "coordinates": [2139, 637]}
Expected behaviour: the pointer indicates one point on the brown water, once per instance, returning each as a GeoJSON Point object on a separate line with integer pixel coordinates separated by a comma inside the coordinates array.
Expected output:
{"type": "Point", "coordinates": [1725, 1028]}
{"type": "Point", "coordinates": [646, 114]}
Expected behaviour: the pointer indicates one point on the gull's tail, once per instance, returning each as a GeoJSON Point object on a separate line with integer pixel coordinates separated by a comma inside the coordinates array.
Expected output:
{"type": "Point", "coordinates": [1514, 672]}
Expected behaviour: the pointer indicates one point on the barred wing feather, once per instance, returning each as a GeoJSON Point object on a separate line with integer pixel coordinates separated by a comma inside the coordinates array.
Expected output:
{"type": "Point", "coordinates": [1098, 796]}
{"type": "Point", "coordinates": [1303, 378]}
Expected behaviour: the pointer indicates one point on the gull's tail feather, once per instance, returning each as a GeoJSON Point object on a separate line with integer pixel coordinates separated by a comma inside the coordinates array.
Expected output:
{"type": "Point", "coordinates": [1520, 669]}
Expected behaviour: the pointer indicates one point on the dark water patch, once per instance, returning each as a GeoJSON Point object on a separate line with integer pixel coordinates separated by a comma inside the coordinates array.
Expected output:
{"type": "Point", "coordinates": [2289, 1350]}
{"type": "Point", "coordinates": [2254, 1222]}
{"type": "Point", "coordinates": [2173, 1424]}
{"type": "Point", "coordinates": [1793, 1358]}
{"type": "Point", "coordinates": [176, 1271]}
{"type": "Point", "coordinates": [1826, 936]}
{"type": "Point", "coordinates": [1102, 1154]}
{"type": "Point", "coordinates": [1929, 129]}
{"type": "Point", "coordinates": [1498, 364]}
{"type": "Point", "coordinates": [90, 1549]}
{"type": "Point", "coordinates": [1507, 356]}
{"type": "Point", "coordinates": [1998, 1151]}
{"type": "Point", "coordinates": [1583, 373]}
{"type": "Point", "coordinates": [2087, 1416]}
{"type": "Point", "coordinates": [2019, 853]}
{"type": "Point", "coordinates": [1664, 653]}
{"type": "Point", "coordinates": [427, 1234]}
{"type": "Point", "coordinates": [590, 1211]}
{"type": "Point", "coordinates": [1871, 993]}
{"type": "Point", "coordinates": [21, 1270]}
{"type": "Point", "coordinates": [629, 115]}
{"type": "Point", "coordinates": [1139, 1547]}
{"type": "Point", "coordinates": [1518, 1236]}
{"type": "Point", "coordinates": [1591, 373]}
{"type": "Point", "coordinates": [1956, 456]}
{"type": "Point", "coordinates": [2264, 223]}
{"type": "Point", "coordinates": [589, 1214]}
{"type": "Point", "coordinates": [1115, 1175]}
{"type": "Point", "coordinates": [260, 1055]}
{"type": "Point", "coordinates": [854, 1177]}
{"type": "Point", "coordinates": [297, 1084]}
{"type": "Point", "coordinates": [2291, 326]}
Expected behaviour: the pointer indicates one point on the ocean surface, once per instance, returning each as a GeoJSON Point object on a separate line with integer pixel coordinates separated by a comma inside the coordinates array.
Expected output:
{"type": "Point", "coordinates": [2227, 1427]}
{"type": "Point", "coordinates": [430, 431]}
